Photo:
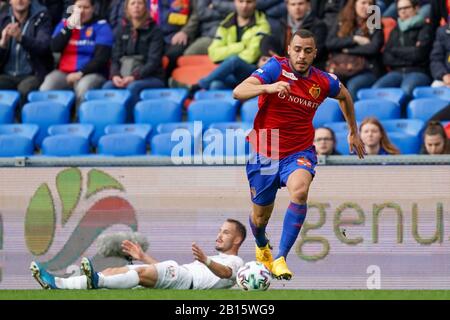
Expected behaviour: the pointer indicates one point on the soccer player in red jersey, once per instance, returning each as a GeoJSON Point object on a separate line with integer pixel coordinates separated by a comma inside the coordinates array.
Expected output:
{"type": "Point", "coordinates": [290, 90]}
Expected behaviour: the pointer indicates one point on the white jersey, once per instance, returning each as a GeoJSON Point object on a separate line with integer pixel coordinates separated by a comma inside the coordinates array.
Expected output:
{"type": "Point", "coordinates": [203, 278]}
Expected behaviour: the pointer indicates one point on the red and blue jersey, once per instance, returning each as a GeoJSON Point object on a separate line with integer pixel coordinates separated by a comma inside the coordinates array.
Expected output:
{"type": "Point", "coordinates": [290, 114]}
{"type": "Point", "coordinates": [81, 46]}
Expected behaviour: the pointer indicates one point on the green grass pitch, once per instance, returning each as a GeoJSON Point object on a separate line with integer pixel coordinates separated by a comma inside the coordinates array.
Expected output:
{"type": "Point", "coordinates": [152, 294]}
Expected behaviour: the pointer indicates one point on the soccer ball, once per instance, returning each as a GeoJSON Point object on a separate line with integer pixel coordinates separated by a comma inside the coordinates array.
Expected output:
{"type": "Point", "coordinates": [253, 276]}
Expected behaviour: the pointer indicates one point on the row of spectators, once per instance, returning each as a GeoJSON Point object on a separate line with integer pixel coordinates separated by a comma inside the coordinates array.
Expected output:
{"type": "Point", "coordinates": [127, 49]}
{"type": "Point", "coordinates": [376, 139]}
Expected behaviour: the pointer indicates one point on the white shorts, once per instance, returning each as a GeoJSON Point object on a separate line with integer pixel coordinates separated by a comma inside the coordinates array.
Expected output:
{"type": "Point", "coordinates": [170, 275]}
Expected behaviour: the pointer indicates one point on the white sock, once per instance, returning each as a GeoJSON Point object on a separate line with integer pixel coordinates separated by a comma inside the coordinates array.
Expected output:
{"type": "Point", "coordinates": [79, 282]}
{"type": "Point", "coordinates": [126, 280]}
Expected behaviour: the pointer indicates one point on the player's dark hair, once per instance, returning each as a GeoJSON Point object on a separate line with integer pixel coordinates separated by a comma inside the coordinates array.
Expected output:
{"type": "Point", "coordinates": [240, 228]}
{"type": "Point", "coordinates": [304, 34]}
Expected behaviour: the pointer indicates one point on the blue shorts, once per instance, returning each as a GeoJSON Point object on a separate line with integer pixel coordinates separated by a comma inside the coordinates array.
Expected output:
{"type": "Point", "coordinates": [266, 177]}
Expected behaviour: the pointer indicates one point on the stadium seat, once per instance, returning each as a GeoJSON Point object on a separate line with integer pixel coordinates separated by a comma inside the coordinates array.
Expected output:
{"type": "Point", "coordinates": [156, 111]}
{"type": "Point", "coordinates": [424, 108]}
{"type": "Point", "coordinates": [328, 111]}
{"type": "Point", "coordinates": [162, 145]}
{"type": "Point", "coordinates": [396, 95]}
{"type": "Point", "coordinates": [340, 126]}
{"type": "Point", "coordinates": [189, 75]}
{"type": "Point", "coordinates": [99, 114]}
{"type": "Point", "coordinates": [408, 126]}
{"type": "Point", "coordinates": [222, 95]}
{"type": "Point", "coordinates": [65, 145]}
{"type": "Point", "coordinates": [9, 98]}
{"type": "Point", "coordinates": [194, 60]}
{"type": "Point", "coordinates": [431, 92]}
{"type": "Point", "coordinates": [12, 145]}
{"type": "Point", "coordinates": [342, 144]}
{"type": "Point", "coordinates": [79, 129]}
{"type": "Point", "coordinates": [381, 109]}
{"type": "Point", "coordinates": [44, 114]}
{"type": "Point", "coordinates": [142, 130]}
{"type": "Point", "coordinates": [177, 95]}
{"type": "Point", "coordinates": [122, 144]}
{"type": "Point", "coordinates": [171, 126]}
{"type": "Point", "coordinates": [27, 130]}
{"type": "Point", "coordinates": [249, 109]}
{"type": "Point", "coordinates": [116, 95]}
{"type": "Point", "coordinates": [217, 143]}
{"type": "Point", "coordinates": [210, 111]}
{"type": "Point", "coordinates": [223, 126]}
{"type": "Point", "coordinates": [8, 103]}
{"type": "Point", "coordinates": [408, 144]}
{"type": "Point", "coordinates": [66, 97]}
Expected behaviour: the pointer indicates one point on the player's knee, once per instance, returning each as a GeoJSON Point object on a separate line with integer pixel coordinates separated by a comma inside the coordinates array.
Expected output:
{"type": "Point", "coordinates": [299, 194]}
{"type": "Point", "coordinates": [147, 276]}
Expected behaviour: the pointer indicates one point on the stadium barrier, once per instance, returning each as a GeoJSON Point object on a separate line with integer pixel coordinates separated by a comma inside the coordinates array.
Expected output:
{"type": "Point", "coordinates": [368, 226]}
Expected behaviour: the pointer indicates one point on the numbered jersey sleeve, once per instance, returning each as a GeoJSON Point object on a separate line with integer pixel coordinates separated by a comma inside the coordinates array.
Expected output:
{"type": "Point", "coordinates": [269, 72]}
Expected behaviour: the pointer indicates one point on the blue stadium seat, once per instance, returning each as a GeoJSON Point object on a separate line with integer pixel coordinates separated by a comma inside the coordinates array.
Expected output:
{"type": "Point", "coordinates": [65, 145]}
{"type": "Point", "coordinates": [222, 126]}
{"type": "Point", "coordinates": [340, 126]}
{"type": "Point", "coordinates": [210, 111]}
{"type": "Point", "coordinates": [27, 130]}
{"type": "Point", "coordinates": [424, 108]}
{"type": "Point", "coordinates": [79, 129]}
{"type": "Point", "coordinates": [223, 95]}
{"type": "Point", "coordinates": [99, 114]}
{"type": "Point", "coordinates": [122, 144]}
{"type": "Point", "coordinates": [12, 145]}
{"type": "Point", "coordinates": [117, 95]}
{"type": "Point", "coordinates": [177, 95]}
{"type": "Point", "coordinates": [217, 143]}
{"type": "Point", "coordinates": [9, 97]}
{"type": "Point", "coordinates": [408, 126]}
{"type": "Point", "coordinates": [44, 114]}
{"type": "Point", "coordinates": [156, 111]}
{"type": "Point", "coordinates": [162, 145]}
{"type": "Point", "coordinates": [408, 144]}
{"type": "Point", "coordinates": [66, 97]}
{"type": "Point", "coordinates": [142, 130]}
{"type": "Point", "coordinates": [396, 95]}
{"type": "Point", "coordinates": [249, 110]}
{"type": "Point", "coordinates": [430, 92]}
{"type": "Point", "coordinates": [328, 111]}
{"type": "Point", "coordinates": [381, 109]}
{"type": "Point", "coordinates": [342, 144]}
{"type": "Point", "coordinates": [171, 126]}
{"type": "Point", "coordinates": [8, 103]}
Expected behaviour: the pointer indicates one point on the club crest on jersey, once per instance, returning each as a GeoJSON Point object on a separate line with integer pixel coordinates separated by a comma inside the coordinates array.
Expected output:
{"type": "Point", "coordinates": [314, 91]}
{"type": "Point", "coordinates": [304, 162]}
{"type": "Point", "coordinates": [88, 32]}
{"type": "Point", "coordinates": [289, 75]}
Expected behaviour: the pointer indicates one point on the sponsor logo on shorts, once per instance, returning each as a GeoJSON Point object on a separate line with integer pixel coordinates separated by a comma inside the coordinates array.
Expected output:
{"type": "Point", "coordinates": [304, 162]}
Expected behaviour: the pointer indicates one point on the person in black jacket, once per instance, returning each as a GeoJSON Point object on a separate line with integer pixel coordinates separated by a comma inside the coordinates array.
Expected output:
{"type": "Point", "coordinates": [141, 40]}
{"type": "Point", "coordinates": [25, 56]}
{"type": "Point", "coordinates": [439, 13]}
{"type": "Point", "coordinates": [85, 44]}
{"type": "Point", "coordinates": [300, 16]}
{"type": "Point", "coordinates": [353, 36]}
{"type": "Point", "coordinates": [440, 58]}
{"type": "Point", "coordinates": [407, 50]}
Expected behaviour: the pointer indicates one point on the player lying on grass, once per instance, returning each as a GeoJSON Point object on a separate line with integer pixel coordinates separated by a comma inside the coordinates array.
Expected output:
{"type": "Point", "coordinates": [206, 272]}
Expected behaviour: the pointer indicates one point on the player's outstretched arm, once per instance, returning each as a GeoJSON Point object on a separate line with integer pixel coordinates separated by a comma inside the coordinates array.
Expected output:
{"type": "Point", "coordinates": [218, 269]}
{"type": "Point", "coordinates": [347, 108]}
{"type": "Point", "coordinates": [135, 251]}
{"type": "Point", "coordinates": [252, 87]}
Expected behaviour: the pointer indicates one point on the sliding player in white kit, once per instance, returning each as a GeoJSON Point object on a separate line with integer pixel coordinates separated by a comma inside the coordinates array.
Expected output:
{"type": "Point", "coordinates": [206, 272]}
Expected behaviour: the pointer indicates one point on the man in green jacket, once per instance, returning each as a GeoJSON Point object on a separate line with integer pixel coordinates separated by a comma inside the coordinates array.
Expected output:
{"type": "Point", "coordinates": [236, 46]}
{"type": "Point", "coordinates": [240, 33]}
